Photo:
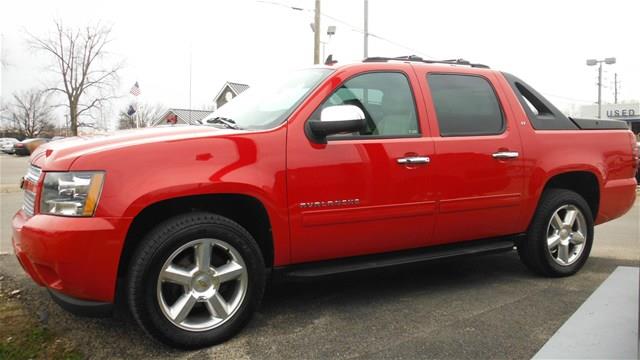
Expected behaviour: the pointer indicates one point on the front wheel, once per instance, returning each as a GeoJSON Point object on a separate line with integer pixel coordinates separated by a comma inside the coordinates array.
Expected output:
{"type": "Point", "coordinates": [196, 280]}
{"type": "Point", "coordinates": [560, 236]}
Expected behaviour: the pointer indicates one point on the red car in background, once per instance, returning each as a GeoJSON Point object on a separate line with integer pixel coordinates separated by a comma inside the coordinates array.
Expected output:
{"type": "Point", "coordinates": [27, 146]}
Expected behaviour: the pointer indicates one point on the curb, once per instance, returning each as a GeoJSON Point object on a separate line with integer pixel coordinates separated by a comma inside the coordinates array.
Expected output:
{"type": "Point", "coordinates": [9, 189]}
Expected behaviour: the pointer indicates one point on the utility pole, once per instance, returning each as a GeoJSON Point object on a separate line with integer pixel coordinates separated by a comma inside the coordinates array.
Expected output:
{"type": "Point", "coordinates": [190, 76]}
{"type": "Point", "coordinates": [316, 34]}
{"type": "Point", "coordinates": [615, 88]}
{"type": "Point", "coordinates": [366, 29]}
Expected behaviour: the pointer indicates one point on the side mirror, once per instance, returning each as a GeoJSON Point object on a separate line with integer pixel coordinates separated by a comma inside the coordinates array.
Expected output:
{"type": "Point", "coordinates": [335, 120]}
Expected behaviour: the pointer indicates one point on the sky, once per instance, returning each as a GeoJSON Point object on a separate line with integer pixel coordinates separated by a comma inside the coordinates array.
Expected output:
{"type": "Point", "coordinates": [182, 52]}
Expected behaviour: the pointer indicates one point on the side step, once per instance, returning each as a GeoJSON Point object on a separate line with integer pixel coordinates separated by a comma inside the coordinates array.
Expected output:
{"type": "Point", "coordinates": [331, 267]}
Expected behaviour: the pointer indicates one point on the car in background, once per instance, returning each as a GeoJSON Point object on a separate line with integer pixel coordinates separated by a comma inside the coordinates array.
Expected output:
{"type": "Point", "coordinates": [6, 145]}
{"type": "Point", "coordinates": [27, 146]}
{"type": "Point", "coordinates": [56, 138]}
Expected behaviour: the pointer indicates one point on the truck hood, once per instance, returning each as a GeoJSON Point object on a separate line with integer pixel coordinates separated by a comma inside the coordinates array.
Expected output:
{"type": "Point", "coordinates": [59, 155]}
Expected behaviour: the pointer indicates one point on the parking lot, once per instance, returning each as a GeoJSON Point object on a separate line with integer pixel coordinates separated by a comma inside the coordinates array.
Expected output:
{"type": "Point", "coordinates": [480, 307]}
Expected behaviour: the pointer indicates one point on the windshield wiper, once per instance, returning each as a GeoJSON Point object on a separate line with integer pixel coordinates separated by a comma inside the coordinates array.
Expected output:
{"type": "Point", "coordinates": [228, 123]}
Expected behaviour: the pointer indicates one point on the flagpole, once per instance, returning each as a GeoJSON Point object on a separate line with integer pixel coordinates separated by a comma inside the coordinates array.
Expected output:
{"type": "Point", "coordinates": [137, 114]}
{"type": "Point", "coordinates": [190, 72]}
{"type": "Point", "coordinates": [135, 91]}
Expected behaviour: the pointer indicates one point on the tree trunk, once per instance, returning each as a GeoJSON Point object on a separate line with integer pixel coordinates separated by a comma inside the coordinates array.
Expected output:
{"type": "Point", "coordinates": [73, 119]}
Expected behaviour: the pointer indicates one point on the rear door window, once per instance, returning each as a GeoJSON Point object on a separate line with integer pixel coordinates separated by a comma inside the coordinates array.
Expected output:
{"type": "Point", "coordinates": [466, 105]}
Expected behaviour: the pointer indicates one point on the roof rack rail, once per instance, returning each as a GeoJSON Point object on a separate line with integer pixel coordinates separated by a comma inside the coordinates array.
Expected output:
{"type": "Point", "coordinates": [419, 59]}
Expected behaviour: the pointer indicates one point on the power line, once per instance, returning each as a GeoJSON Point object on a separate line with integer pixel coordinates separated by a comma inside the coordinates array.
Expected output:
{"type": "Point", "coordinates": [568, 98]}
{"type": "Point", "coordinates": [417, 52]}
{"type": "Point", "coordinates": [352, 27]}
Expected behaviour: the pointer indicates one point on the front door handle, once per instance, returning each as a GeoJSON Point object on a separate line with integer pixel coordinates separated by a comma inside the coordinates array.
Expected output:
{"type": "Point", "coordinates": [506, 155]}
{"type": "Point", "coordinates": [411, 160]}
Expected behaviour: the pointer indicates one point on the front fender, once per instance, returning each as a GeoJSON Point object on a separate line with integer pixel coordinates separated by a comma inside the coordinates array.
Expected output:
{"type": "Point", "coordinates": [251, 164]}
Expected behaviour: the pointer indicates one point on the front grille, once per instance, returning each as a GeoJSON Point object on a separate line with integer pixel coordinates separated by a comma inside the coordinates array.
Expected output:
{"type": "Point", "coordinates": [29, 202]}
{"type": "Point", "coordinates": [33, 174]}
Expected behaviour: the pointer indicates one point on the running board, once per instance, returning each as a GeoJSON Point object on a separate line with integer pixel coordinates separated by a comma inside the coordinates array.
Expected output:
{"type": "Point", "coordinates": [344, 265]}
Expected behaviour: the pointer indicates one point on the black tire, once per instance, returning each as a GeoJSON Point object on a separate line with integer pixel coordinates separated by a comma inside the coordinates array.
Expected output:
{"type": "Point", "coordinates": [533, 250]}
{"type": "Point", "coordinates": [157, 247]}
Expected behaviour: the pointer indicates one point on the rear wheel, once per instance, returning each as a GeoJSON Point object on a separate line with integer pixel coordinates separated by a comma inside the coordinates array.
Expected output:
{"type": "Point", "coordinates": [560, 236]}
{"type": "Point", "coordinates": [196, 280]}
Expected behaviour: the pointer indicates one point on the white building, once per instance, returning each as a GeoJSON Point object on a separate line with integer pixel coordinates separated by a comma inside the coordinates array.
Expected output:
{"type": "Point", "coordinates": [181, 117]}
{"type": "Point", "coordinates": [626, 112]}
{"type": "Point", "coordinates": [229, 91]}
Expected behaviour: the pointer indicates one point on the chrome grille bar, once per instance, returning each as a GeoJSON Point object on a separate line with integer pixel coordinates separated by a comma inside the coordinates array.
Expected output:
{"type": "Point", "coordinates": [33, 174]}
{"type": "Point", "coordinates": [29, 202]}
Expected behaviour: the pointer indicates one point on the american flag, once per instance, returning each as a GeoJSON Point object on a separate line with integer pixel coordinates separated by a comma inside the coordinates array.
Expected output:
{"type": "Point", "coordinates": [135, 89]}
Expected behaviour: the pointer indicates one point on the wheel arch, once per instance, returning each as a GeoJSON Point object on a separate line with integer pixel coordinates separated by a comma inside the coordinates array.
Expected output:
{"type": "Point", "coordinates": [585, 183]}
{"type": "Point", "coordinates": [246, 210]}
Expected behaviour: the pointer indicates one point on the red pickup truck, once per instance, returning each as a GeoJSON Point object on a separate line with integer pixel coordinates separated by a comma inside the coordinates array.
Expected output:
{"type": "Point", "coordinates": [327, 170]}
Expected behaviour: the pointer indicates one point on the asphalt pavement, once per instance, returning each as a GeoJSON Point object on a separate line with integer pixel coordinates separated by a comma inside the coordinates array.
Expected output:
{"type": "Point", "coordinates": [12, 168]}
{"type": "Point", "coordinates": [479, 307]}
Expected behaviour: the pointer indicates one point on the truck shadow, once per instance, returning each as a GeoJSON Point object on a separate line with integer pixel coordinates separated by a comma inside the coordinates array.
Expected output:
{"type": "Point", "coordinates": [433, 277]}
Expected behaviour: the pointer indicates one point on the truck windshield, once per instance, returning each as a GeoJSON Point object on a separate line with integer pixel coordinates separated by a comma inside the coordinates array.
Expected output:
{"type": "Point", "coordinates": [268, 105]}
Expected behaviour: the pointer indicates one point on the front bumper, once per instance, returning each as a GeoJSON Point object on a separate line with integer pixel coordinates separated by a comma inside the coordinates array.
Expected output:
{"type": "Point", "coordinates": [82, 307]}
{"type": "Point", "coordinates": [77, 257]}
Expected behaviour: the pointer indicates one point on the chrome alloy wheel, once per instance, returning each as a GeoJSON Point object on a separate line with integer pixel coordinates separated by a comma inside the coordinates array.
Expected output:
{"type": "Point", "coordinates": [566, 235]}
{"type": "Point", "coordinates": [202, 284]}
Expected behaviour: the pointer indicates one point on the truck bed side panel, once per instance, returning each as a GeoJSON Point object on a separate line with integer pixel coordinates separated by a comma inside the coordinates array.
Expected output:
{"type": "Point", "coordinates": [604, 153]}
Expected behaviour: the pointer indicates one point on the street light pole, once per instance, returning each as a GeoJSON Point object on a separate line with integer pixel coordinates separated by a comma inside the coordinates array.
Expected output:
{"type": "Point", "coordinates": [600, 91]}
{"type": "Point", "coordinates": [615, 88]}
{"type": "Point", "coordinates": [592, 62]}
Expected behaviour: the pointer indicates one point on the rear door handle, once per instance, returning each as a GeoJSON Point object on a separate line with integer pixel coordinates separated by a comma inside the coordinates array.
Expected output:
{"type": "Point", "coordinates": [506, 155]}
{"type": "Point", "coordinates": [410, 160]}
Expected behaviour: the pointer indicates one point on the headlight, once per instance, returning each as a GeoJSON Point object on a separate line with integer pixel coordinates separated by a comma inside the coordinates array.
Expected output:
{"type": "Point", "coordinates": [71, 193]}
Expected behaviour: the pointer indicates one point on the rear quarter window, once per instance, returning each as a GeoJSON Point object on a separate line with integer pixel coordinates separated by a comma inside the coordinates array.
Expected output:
{"type": "Point", "coordinates": [540, 111]}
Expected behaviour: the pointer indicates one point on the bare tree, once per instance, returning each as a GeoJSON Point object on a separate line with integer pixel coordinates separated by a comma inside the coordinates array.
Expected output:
{"type": "Point", "coordinates": [79, 58]}
{"type": "Point", "coordinates": [31, 112]}
{"type": "Point", "coordinates": [4, 119]}
{"type": "Point", "coordinates": [144, 116]}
